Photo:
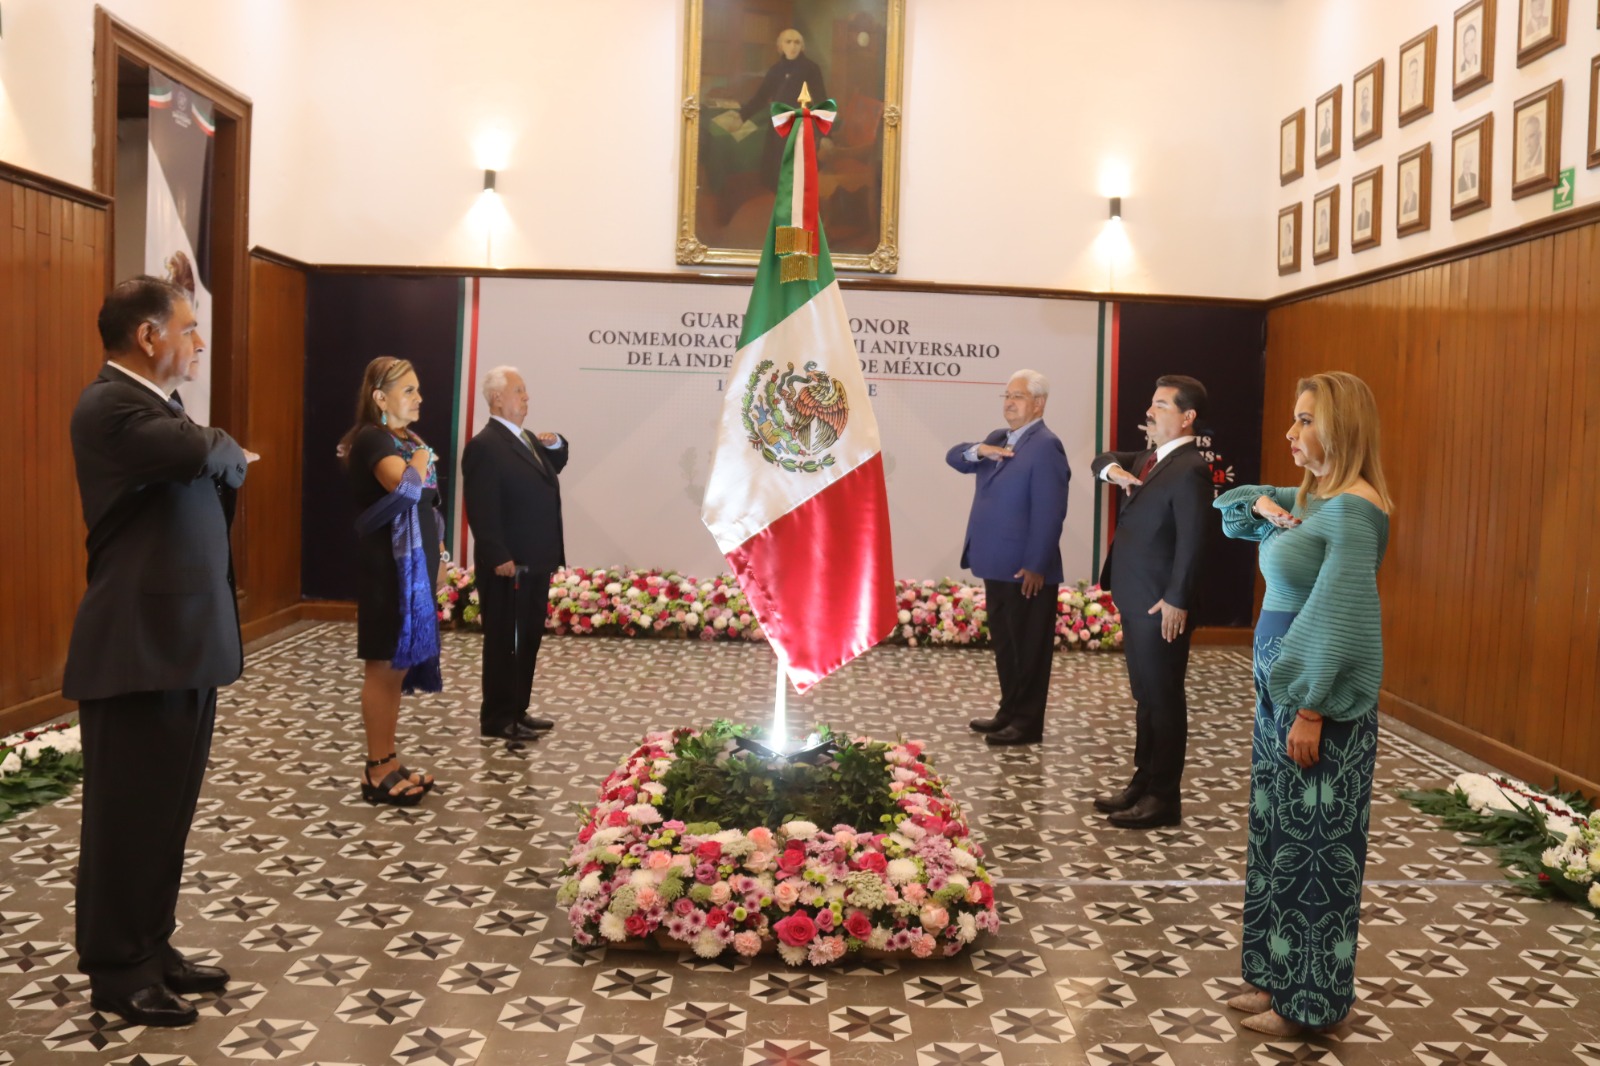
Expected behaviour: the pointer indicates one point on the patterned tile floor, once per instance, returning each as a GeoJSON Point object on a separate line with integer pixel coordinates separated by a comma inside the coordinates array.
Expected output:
{"type": "Point", "coordinates": [431, 935]}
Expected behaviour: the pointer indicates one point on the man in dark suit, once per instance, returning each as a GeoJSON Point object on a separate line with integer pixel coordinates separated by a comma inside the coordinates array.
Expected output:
{"type": "Point", "coordinates": [1014, 544]}
{"type": "Point", "coordinates": [156, 633]}
{"type": "Point", "coordinates": [514, 510]}
{"type": "Point", "coordinates": [1152, 570]}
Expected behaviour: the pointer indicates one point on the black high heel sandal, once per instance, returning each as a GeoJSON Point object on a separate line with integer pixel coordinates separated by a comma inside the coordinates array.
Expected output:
{"type": "Point", "coordinates": [382, 792]}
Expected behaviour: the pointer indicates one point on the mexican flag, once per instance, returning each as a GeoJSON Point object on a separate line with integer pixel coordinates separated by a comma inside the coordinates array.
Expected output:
{"type": "Point", "coordinates": [796, 499]}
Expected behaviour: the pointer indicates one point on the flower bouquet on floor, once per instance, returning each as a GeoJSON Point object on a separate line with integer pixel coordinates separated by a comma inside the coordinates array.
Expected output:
{"type": "Point", "coordinates": [697, 842]}
{"type": "Point", "coordinates": [38, 767]}
{"type": "Point", "coordinates": [1549, 842]}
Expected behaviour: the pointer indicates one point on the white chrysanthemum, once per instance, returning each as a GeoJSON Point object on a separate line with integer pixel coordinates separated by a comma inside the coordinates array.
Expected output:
{"type": "Point", "coordinates": [1555, 858]}
{"type": "Point", "coordinates": [613, 928]}
{"type": "Point", "coordinates": [1559, 828]}
{"type": "Point", "coordinates": [966, 928]}
{"type": "Point", "coordinates": [641, 878]}
{"type": "Point", "coordinates": [612, 588]}
{"type": "Point", "coordinates": [835, 890]}
{"type": "Point", "coordinates": [879, 938]}
{"type": "Point", "coordinates": [1594, 896]}
{"type": "Point", "coordinates": [794, 956]}
{"type": "Point", "coordinates": [1594, 861]}
{"type": "Point", "coordinates": [608, 835]}
{"type": "Point", "coordinates": [800, 829]}
{"type": "Point", "coordinates": [904, 616]}
{"type": "Point", "coordinates": [958, 881]}
{"type": "Point", "coordinates": [964, 859]}
{"type": "Point", "coordinates": [12, 763]}
{"type": "Point", "coordinates": [643, 813]}
{"type": "Point", "coordinates": [589, 887]}
{"type": "Point", "coordinates": [653, 788]}
{"type": "Point", "coordinates": [707, 945]}
{"type": "Point", "coordinates": [902, 871]}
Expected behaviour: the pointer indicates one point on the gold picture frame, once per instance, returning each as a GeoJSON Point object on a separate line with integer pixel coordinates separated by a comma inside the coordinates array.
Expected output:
{"type": "Point", "coordinates": [1289, 240]}
{"type": "Point", "coordinates": [1471, 166]}
{"type": "Point", "coordinates": [1472, 57]}
{"type": "Point", "coordinates": [1413, 192]}
{"type": "Point", "coordinates": [727, 170]}
{"type": "Point", "coordinates": [1414, 94]}
{"type": "Point", "coordinates": [1594, 112]}
{"type": "Point", "coordinates": [1328, 121]}
{"type": "Point", "coordinates": [1536, 141]}
{"type": "Point", "coordinates": [1292, 147]}
{"type": "Point", "coordinates": [1366, 106]}
{"type": "Point", "coordinates": [1325, 225]}
{"type": "Point", "coordinates": [1541, 28]}
{"type": "Point", "coordinates": [1366, 210]}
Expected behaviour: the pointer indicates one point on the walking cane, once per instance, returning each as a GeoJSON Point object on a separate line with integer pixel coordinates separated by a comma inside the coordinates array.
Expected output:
{"type": "Point", "coordinates": [516, 615]}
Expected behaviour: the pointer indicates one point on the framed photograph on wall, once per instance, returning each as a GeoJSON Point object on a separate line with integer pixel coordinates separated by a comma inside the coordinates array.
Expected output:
{"type": "Point", "coordinates": [742, 56]}
{"type": "Point", "coordinates": [1328, 115]}
{"type": "Point", "coordinates": [1416, 76]}
{"type": "Point", "coordinates": [1366, 112]}
{"type": "Point", "coordinates": [1471, 172]}
{"type": "Point", "coordinates": [1289, 240]}
{"type": "Point", "coordinates": [1472, 65]}
{"type": "Point", "coordinates": [1413, 186]}
{"type": "Point", "coordinates": [1594, 112]}
{"type": "Point", "coordinates": [1325, 225]}
{"type": "Point", "coordinates": [1292, 147]}
{"type": "Point", "coordinates": [1536, 141]}
{"type": "Point", "coordinates": [1366, 210]}
{"type": "Point", "coordinates": [1541, 28]}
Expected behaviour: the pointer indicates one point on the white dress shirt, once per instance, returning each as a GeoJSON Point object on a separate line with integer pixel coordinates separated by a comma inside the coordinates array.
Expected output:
{"type": "Point", "coordinates": [141, 379]}
{"type": "Point", "coordinates": [1161, 453]}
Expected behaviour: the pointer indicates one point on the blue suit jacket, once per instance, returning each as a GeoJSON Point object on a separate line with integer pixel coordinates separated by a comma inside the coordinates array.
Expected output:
{"type": "Point", "coordinates": [1018, 507]}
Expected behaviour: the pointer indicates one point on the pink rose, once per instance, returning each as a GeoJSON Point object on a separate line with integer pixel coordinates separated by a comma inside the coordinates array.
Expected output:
{"type": "Point", "coordinates": [934, 918]}
{"type": "Point", "coordinates": [980, 893]}
{"type": "Point", "coordinates": [709, 851]}
{"type": "Point", "coordinates": [872, 861]}
{"type": "Point", "coordinates": [786, 894]}
{"type": "Point", "coordinates": [793, 859]}
{"type": "Point", "coordinates": [825, 920]}
{"type": "Point", "coordinates": [858, 925]}
{"type": "Point", "coordinates": [659, 860]}
{"type": "Point", "coordinates": [797, 930]}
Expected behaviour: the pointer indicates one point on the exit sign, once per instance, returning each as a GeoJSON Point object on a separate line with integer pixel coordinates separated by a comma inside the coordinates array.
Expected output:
{"type": "Point", "coordinates": [1563, 198]}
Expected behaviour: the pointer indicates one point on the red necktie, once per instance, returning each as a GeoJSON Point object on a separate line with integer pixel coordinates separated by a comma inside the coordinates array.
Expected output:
{"type": "Point", "coordinates": [1149, 465]}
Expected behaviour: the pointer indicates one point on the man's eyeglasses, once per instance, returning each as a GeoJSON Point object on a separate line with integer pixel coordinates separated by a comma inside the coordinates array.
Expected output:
{"type": "Point", "coordinates": [1016, 395]}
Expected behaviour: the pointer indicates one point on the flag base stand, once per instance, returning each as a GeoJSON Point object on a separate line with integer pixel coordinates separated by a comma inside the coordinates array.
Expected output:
{"type": "Point", "coordinates": [813, 752]}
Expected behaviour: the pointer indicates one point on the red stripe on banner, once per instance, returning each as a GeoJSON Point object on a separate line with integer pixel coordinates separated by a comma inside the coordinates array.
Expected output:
{"type": "Point", "coordinates": [472, 399]}
{"type": "Point", "coordinates": [808, 142]}
{"type": "Point", "coordinates": [821, 578]}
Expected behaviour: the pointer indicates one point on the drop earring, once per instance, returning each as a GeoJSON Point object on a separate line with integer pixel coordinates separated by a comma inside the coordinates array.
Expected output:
{"type": "Point", "coordinates": [383, 417]}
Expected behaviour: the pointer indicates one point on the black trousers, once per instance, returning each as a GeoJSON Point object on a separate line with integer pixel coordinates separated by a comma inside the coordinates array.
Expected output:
{"type": "Point", "coordinates": [144, 758]}
{"type": "Point", "coordinates": [513, 624]}
{"type": "Point", "coordinates": [1157, 670]}
{"type": "Point", "coordinates": [1023, 632]}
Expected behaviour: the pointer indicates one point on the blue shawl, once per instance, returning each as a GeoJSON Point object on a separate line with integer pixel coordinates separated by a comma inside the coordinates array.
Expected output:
{"type": "Point", "coordinates": [417, 650]}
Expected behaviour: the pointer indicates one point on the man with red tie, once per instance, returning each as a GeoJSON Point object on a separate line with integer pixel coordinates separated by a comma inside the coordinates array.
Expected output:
{"type": "Point", "coordinates": [1152, 569]}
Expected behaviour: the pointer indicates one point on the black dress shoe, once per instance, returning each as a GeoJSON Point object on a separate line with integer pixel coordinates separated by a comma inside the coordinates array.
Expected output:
{"type": "Point", "coordinates": [191, 977]}
{"type": "Point", "coordinates": [1148, 813]}
{"type": "Point", "coordinates": [513, 731]}
{"type": "Point", "coordinates": [986, 725]}
{"type": "Point", "coordinates": [1116, 801]}
{"type": "Point", "coordinates": [1011, 735]}
{"type": "Point", "coordinates": [154, 1005]}
{"type": "Point", "coordinates": [537, 723]}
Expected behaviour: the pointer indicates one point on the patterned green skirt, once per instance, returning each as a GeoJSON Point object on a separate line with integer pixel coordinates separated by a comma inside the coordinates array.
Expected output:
{"type": "Point", "coordinates": [1307, 852]}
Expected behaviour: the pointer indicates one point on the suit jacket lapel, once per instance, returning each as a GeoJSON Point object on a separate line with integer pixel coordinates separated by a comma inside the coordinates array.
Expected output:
{"type": "Point", "coordinates": [517, 444]}
{"type": "Point", "coordinates": [117, 377]}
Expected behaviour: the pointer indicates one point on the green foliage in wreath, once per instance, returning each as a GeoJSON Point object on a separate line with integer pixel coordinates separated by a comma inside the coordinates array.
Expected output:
{"type": "Point", "coordinates": [44, 779]}
{"type": "Point", "coordinates": [740, 790]}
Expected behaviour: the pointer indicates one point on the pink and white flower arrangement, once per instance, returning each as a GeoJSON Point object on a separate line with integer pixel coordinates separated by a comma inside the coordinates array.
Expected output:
{"type": "Point", "coordinates": [914, 884]}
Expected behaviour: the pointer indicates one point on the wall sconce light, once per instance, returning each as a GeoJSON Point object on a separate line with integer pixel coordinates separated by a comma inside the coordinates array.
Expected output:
{"type": "Point", "coordinates": [488, 180]}
{"type": "Point", "coordinates": [1116, 209]}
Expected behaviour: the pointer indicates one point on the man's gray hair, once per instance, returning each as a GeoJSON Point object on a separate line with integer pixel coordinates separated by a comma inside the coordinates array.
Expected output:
{"type": "Point", "coordinates": [494, 382]}
{"type": "Point", "coordinates": [1038, 384]}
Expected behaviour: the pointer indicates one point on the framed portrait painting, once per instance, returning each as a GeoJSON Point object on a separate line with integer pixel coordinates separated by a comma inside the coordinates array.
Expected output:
{"type": "Point", "coordinates": [1416, 76]}
{"type": "Point", "coordinates": [741, 57]}
{"type": "Point", "coordinates": [1536, 141]}
{"type": "Point", "coordinates": [1594, 112]}
{"type": "Point", "coordinates": [1471, 169]}
{"type": "Point", "coordinates": [1329, 116]}
{"type": "Point", "coordinates": [1472, 63]}
{"type": "Point", "coordinates": [1292, 147]}
{"type": "Point", "coordinates": [1413, 186]}
{"type": "Point", "coordinates": [1289, 240]}
{"type": "Point", "coordinates": [1325, 225]}
{"type": "Point", "coordinates": [1366, 210]}
{"type": "Point", "coordinates": [1366, 110]}
{"type": "Point", "coordinates": [1541, 28]}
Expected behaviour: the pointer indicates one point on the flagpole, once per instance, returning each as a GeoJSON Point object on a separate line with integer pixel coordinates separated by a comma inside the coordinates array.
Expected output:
{"type": "Point", "coordinates": [779, 740]}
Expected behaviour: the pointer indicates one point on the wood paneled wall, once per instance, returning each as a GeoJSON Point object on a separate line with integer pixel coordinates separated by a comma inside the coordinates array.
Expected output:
{"type": "Point", "coordinates": [1487, 374]}
{"type": "Point", "coordinates": [267, 529]}
{"type": "Point", "coordinates": [53, 249]}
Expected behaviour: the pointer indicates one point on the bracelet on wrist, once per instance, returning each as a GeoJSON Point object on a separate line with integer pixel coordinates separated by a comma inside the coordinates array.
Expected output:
{"type": "Point", "coordinates": [1310, 716]}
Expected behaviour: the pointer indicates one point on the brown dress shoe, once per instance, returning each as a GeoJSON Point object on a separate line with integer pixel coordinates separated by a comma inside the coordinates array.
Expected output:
{"type": "Point", "coordinates": [986, 725]}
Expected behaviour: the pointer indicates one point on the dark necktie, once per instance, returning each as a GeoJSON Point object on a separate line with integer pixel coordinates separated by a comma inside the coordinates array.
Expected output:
{"type": "Point", "coordinates": [1149, 465]}
{"type": "Point", "coordinates": [534, 446]}
{"type": "Point", "coordinates": [176, 403]}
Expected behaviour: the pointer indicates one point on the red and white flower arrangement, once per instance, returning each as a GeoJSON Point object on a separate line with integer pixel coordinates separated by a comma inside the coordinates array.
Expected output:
{"type": "Point", "coordinates": [914, 885]}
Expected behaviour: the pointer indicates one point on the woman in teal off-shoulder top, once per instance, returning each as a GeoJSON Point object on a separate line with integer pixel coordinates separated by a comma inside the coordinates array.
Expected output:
{"type": "Point", "coordinates": [1318, 664]}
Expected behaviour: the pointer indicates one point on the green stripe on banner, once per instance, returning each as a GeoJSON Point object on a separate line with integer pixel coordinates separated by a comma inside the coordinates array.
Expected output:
{"type": "Point", "coordinates": [463, 387]}
{"type": "Point", "coordinates": [772, 300]}
{"type": "Point", "coordinates": [1099, 433]}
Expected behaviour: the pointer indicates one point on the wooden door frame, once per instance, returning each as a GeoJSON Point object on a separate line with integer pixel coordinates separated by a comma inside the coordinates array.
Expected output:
{"type": "Point", "coordinates": [115, 40]}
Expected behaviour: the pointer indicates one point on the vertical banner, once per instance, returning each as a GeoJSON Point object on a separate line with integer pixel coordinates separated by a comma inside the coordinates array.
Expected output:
{"type": "Point", "coordinates": [178, 210]}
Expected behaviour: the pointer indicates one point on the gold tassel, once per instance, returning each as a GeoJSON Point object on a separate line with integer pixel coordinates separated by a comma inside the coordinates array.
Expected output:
{"type": "Point", "coordinates": [791, 239]}
{"type": "Point", "coordinates": [797, 268]}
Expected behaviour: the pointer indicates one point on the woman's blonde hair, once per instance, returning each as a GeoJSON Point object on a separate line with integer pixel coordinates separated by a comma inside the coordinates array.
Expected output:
{"type": "Point", "coordinates": [380, 376]}
{"type": "Point", "coordinates": [1346, 416]}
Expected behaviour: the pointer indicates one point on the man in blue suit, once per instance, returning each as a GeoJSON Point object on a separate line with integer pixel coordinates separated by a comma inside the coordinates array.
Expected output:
{"type": "Point", "coordinates": [1014, 544]}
